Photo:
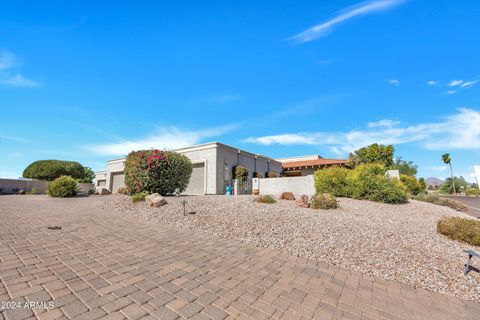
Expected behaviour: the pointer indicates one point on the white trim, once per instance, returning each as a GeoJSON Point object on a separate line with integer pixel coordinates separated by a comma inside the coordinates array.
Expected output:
{"type": "Point", "coordinates": [117, 160]}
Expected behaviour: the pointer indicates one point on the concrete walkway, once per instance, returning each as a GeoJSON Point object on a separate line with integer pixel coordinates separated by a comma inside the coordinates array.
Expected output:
{"type": "Point", "coordinates": [104, 264]}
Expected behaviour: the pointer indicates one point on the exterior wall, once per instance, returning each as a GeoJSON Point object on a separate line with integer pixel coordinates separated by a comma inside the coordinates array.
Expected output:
{"type": "Point", "coordinates": [228, 157]}
{"type": "Point", "coordinates": [6, 185]}
{"type": "Point", "coordinates": [101, 179]}
{"type": "Point", "coordinates": [114, 166]}
{"type": "Point", "coordinates": [275, 186]}
{"type": "Point", "coordinates": [209, 157]}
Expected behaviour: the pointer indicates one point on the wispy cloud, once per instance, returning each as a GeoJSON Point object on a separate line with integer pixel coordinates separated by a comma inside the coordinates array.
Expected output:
{"type": "Point", "coordinates": [457, 131]}
{"type": "Point", "coordinates": [346, 14]}
{"type": "Point", "coordinates": [432, 82]}
{"type": "Point", "coordinates": [457, 85]}
{"type": "Point", "coordinates": [393, 82]}
{"type": "Point", "coordinates": [10, 74]}
{"type": "Point", "coordinates": [167, 138]}
{"type": "Point", "coordinates": [437, 168]}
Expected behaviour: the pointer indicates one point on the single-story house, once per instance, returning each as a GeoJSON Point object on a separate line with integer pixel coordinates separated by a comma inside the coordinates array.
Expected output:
{"type": "Point", "coordinates": [212, 168]}
{"type": "Point", "coordinates": [307, 165]}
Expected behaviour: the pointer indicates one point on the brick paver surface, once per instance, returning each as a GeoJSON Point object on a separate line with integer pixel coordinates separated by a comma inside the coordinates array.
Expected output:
{"type": "Point", "coordinates": [105, 264]}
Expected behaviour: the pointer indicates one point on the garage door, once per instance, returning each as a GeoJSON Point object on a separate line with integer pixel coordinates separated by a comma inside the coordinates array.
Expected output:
{"type": "Point", "coordinates": [118, 181]}
{"type": "Point", "coordinates": [197, 180]}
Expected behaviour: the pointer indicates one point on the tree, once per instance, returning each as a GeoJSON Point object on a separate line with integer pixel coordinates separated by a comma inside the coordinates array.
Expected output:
{"type": "Point", "coordinates": [451, 185]}
{"type": "Point", "coordinates": [50, 170]}
{"type": "Point", "coordinates": [447, 160]}
{"type": "Point", "coordinates": [88, 177]}
{"type": "Point", "coordinates": [404, 167]}
{"type": "Point", "coordinates": [374, 153]}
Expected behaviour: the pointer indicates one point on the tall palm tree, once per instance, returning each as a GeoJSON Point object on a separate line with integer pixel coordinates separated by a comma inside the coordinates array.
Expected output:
{"type": "Point", "coordinates": [447, 160]}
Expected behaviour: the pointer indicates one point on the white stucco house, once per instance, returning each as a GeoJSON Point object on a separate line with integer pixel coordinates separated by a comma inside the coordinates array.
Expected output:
{"type": "Point", "coordinates": [212, 168]}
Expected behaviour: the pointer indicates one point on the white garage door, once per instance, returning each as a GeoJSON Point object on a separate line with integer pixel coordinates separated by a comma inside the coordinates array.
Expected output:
{"type": "Point", "coordinates": [118, 181]}
{"type": "Point", "coordinates": [196, 185]}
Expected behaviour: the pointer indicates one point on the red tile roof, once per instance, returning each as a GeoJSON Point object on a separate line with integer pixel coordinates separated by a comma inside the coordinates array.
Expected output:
{"type": "Point", "coordinates": [315, 162]}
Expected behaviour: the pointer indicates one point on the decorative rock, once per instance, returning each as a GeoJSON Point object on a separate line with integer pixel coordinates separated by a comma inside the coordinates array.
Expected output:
{"type": "Point", "coordinates": [102, 191]}
{"type": "Point", "coordinates": [302, 201]}
{"type": "Point", "coordinates": [287, 196]}
{"type": "Point", "coordinates": [155, 200]}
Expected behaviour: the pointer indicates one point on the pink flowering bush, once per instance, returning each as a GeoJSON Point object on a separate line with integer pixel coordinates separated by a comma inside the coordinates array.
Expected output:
{"type": "Point", "coordinates": [157, 171]}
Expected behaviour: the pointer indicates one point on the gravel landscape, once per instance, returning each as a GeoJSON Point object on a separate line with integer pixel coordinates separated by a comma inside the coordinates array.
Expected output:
{"type": "Point", "coordinates": [393, 242]}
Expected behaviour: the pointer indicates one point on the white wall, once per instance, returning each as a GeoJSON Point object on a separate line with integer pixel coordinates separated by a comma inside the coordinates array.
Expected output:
{"type": "Point", "coordinates": [209, 157]}
{"type": "Point", "coordinates": [296, 185]}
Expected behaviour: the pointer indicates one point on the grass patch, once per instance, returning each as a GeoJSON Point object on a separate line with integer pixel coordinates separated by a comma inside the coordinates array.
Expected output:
{"type": "Point", "coordinates": [462, 229]}
{"type": "Point", "coordinates": [265, 199]}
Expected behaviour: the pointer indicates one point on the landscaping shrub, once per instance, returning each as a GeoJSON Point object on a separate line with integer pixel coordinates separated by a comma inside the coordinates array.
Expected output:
{"type": "Point", "coordinates": [333, 180]}
{"type": "Point", "coordinates": [413, 185]}
{"type": "Point", "coordinates": [34, 190]}
{"type": "Point", "coordinates": [140, 196]}
{"type": "Point", "coordinates": [323, 201]}
{"type": "Point", "coordinates": [21, 191]}
{"type": "Point", "coordinates": [52, 169]}
{"type": "Point", "coordinates": [287, 196]}
{"type": "Point", "coordinates": [472, 192]}
{"type": "Point", "coordinates": [123, 190]}
{"type": "Point", "coordinates": [62, 187]}
{"type": "Point", "coordinates": [265, 199]}
{"type": "Point", "coordinates": [239, 172]}
{"type": "Point", "coordinates": [368, 182]}
{"type": "Point", "coordinates": [462, 229]}
{"type": "Point", "coordinates": [157, 171]}
{"type": "Point", "coordinates": [431, 198]}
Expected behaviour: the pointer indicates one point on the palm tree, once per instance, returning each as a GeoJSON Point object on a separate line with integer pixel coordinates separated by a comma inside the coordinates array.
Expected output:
{"type": "Point", "coordinates": [447, 160]}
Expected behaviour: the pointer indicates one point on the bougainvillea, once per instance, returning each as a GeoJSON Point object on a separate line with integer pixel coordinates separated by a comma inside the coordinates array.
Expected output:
{"type": "Point", "coordinates": [157, 171]}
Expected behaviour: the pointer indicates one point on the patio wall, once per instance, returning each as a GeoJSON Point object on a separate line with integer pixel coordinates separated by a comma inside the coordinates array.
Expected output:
{"type": "Point", "coordinates": [275, 186]}
{"type": "Point", "coordinates": [6, 185]}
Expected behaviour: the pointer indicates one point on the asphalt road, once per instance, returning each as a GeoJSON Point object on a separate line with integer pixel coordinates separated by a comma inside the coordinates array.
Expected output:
{"type": "Point", "coordinates": [473, 204]}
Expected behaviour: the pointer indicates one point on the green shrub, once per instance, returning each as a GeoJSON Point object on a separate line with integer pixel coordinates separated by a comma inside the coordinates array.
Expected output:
{"type": "Point", "coordinates": [265, 199]}
{"type": "Point", "coordinates": [427, 197]}
{"type": "Point", "coordinates": [62, 187]}
{"type": "Point", "coordinates": [88, 176]}
{"type": "Point", "coordinates": [52, 169]}
{"type": "Point", "coordinates": [157, 171]}
{"type": "Point", "coordinates": [368, 182]}
{"type": "Point", "coordinates": [413, 185]}
{"type": "Point", "coordinates": [323, 201]}
{"type": "Point", "coordinates": [472, 192]}
{"type": "Point", "coordinates": [462, 229]}
{"type": "Point", "coordinates": [21, 191]}
{"type": "Point", "coordinates": [333, 180]}
{"type": "Point", "coordinates": [34, 190]}
{"type": "Point", "coordinates": [140, 196]}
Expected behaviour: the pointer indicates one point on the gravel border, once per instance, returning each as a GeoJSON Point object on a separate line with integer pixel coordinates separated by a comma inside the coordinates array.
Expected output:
{"type": "Point", "coordinates": [393, 242]}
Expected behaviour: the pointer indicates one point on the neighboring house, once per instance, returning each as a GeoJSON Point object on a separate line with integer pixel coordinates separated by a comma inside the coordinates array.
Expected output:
{"type": "Point", "coordinates": [212, 168]}
{"type": "Point", "coordinates": [307, 165]}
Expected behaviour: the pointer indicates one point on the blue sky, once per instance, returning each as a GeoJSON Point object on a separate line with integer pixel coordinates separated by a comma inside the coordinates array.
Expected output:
{"type": "Point", "coordinates": [89, 81]}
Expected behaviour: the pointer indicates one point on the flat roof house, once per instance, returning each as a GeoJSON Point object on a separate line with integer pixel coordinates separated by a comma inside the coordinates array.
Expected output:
{"type": "Point", "coordinates": [212, 168]}
{"type": "Point", "coordinates": [307, 165]}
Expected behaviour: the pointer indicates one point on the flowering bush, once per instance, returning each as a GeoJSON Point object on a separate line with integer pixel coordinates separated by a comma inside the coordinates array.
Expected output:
{"type": "Point", "coordinates": [157, 171]}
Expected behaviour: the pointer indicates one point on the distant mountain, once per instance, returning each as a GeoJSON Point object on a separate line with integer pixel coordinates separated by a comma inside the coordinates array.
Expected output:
{"type": "Point", "coordinates": [433, 181]}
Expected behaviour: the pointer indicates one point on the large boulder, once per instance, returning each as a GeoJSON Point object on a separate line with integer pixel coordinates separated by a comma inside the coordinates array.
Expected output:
{"type": "Point", "coordinates": [155, 200]}
{"type": "Point", "coordinates": [102, 191]}
{"type": "Point", "coordinates": [302, 201]}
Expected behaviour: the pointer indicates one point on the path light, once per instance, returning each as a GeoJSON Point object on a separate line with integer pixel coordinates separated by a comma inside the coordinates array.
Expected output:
{"type": "Point", "coordinates": [184, 202]}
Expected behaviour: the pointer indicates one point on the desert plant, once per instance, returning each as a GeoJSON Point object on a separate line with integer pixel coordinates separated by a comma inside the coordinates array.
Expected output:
{"type": "Point", "coordinates": [323, 201]}
{"type": "Point", "coordinates": [449, 185]}
{"type": "Point", "coordinates": [21, 191]}
{"type": "Point", "coordinates": [413, 185]}
{"type": "Point", "coordinates": [34, 190]}
{"type": "Point", "coordinates": [140, 196]}
{"type": "Point", "coordinates": [123, 190]}
{"type": "Point", "coordinates": [62, 187]}
{"type": "Point", "coordinates": [374, 153]}
{"type": "Point", "coordinates": [404, 167]}
{"type": "Point", "coordinates": [333, 180]}
{"type": "Point", "coordinates": [462, 229]}
{"type": "Point", "coordinates": [287, 196]}
{"type": "Point", "coordinates": [157, 171]}
{"type": "Point", "coordinates": [265, 199]}
{"type": "Point", "coordinates": [50, 170]}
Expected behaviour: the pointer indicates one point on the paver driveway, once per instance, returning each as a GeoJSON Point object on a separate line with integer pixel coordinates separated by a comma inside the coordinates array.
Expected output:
{"type": "Point", "coordinates": [106, 264]}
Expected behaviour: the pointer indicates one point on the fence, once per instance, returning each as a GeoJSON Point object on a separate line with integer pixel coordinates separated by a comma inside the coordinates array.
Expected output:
{"type": "Point", "coordinates": [242, 186]}
{"type": "Point", "coordinates": [10, 186]}
{"type": "Point", "coordinates": [275, 186]}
